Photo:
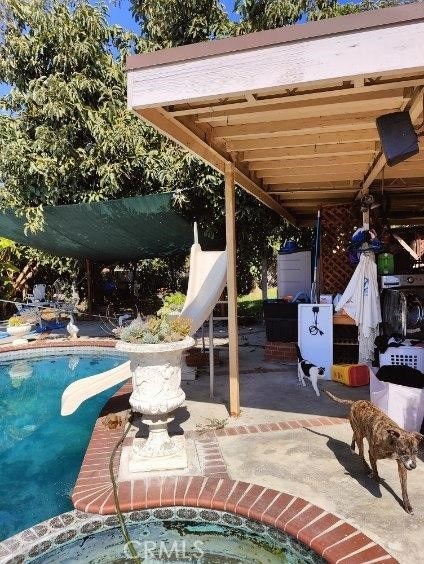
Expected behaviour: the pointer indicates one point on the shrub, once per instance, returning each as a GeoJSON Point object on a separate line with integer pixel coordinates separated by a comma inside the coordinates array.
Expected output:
{"type": "Point", "coordinates": [172, 302]}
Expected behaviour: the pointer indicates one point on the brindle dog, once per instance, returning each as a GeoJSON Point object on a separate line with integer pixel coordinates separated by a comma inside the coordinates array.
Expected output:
{"type": "Point", "coordinates": [385, 440]}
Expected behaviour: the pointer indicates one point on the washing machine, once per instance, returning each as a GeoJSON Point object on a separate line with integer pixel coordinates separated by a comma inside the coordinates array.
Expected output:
{"type": "Point", "coordinates": [402, 305]}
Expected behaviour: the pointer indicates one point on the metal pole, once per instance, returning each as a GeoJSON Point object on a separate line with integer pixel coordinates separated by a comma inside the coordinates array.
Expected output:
{"type": "Point", "coordinates": [211, 358]}
{"type": "Point", "coordinates": [89, 289]}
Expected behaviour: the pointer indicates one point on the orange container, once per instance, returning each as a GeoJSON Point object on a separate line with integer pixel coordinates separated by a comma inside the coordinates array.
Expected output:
{"type": "Point", "coordinates": [351, 374]}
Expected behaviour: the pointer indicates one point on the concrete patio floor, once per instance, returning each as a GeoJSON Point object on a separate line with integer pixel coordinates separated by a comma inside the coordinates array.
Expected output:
{"type": "Point", "coordinates": [317, 465]}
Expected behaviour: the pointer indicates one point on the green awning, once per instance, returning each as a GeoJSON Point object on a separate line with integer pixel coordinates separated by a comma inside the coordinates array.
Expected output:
{"type": "Point", "coordinates": [118, 230]}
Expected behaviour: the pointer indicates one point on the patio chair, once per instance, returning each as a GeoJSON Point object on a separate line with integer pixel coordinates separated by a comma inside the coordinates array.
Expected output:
{"type": "Point", "coordinates": [38, 294]}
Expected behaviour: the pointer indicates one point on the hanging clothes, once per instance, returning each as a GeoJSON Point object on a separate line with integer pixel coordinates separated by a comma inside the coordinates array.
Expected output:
{"type": "Point", "coordinates": [361, 301]}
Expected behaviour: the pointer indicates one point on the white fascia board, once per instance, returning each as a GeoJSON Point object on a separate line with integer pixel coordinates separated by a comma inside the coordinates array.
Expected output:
{"type": "Point", "coordinates": [392, 50]}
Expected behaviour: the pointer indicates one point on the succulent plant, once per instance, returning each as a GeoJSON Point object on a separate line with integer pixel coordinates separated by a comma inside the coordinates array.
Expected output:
{"type": "Point", "coordinates": [16, 321]}
{"type": "Point", "coordinates": [152, 330]}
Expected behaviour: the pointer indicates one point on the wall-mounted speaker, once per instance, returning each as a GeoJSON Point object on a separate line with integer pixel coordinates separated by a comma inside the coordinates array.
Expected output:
{"type": "Point", "coordinates": [398, 137]}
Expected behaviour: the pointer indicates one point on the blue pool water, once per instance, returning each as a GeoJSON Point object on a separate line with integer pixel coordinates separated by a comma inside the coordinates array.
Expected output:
{"type": "Point", "coordinates": [41, 451]}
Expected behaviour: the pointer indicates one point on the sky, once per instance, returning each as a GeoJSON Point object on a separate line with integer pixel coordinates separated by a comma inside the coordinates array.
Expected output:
{"type": "Point", "coordinates": [121, 15]}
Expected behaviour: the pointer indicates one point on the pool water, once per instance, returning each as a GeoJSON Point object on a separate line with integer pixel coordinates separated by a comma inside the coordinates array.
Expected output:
{"type": "Point", "coordinates": [212, 537]}
{"type": "Point", "coordinates": [41, 451]}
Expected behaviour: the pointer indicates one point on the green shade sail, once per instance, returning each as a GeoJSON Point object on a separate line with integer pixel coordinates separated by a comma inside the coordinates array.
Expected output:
{"type": "Point", "coordinates": [118, 230]}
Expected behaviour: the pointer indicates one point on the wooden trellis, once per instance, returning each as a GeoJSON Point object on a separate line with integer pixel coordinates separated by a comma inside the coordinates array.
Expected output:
{"type": "Point", "coordinates": [337, 225]}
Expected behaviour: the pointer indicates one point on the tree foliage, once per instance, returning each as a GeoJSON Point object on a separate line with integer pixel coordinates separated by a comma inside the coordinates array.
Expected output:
{"type": "Point", "coordinates": [66, 135]}
{"type": "Point", "coordinates": [171, 23]}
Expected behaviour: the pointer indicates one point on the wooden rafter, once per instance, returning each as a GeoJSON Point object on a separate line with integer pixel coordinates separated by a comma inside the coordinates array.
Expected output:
{"type": "Point", "coordinates": [310, 152]}
{"type": "Point", "coordinates": [353, 104]}
{"type": "Point", "coordinates": [340, 90]}
{"type": "Point", "coordinates": [175, 130]}
{"type": "Point", "coordinates": [336, 161]}
{"type": "Point", "coordinates": [303, 140]}
{"type": "Point", "coordinates": [363, 120]}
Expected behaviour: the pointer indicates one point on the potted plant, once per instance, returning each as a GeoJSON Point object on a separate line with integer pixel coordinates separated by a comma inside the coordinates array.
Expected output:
{"type": "Point", "coordinates": [154, 346]}
{"type": "Point", "coordinates": [18, 326]}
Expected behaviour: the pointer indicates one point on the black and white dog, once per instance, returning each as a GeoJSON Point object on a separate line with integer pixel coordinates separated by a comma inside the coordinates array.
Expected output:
{"type": "Point", "coordinates": [306, 369]}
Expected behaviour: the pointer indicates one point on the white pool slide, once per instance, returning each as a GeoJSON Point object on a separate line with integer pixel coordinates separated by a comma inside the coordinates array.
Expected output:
{"type": "Point", "coordinates": [207, 280]}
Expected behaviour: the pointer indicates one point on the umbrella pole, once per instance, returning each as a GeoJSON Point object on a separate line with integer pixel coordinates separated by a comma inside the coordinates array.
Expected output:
{"type": "Point", "coordinates": [314, 289]}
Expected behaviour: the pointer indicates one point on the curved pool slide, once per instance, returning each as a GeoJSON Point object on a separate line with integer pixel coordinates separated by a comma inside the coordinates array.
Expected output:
{"type": "Point", "coordinates": [207, 280]}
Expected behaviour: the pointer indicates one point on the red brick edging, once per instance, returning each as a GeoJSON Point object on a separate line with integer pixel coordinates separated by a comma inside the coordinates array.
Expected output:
{"type": "Point", "coordinates": [328, 535]}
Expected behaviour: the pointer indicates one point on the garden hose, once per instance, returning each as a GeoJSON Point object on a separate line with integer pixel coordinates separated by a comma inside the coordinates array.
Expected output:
{"type": "Point", "coordinates": [135, 556]}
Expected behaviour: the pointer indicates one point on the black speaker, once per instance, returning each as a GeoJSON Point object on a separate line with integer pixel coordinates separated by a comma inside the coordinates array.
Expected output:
{"type": "Point", "coordinates": [398, 137]}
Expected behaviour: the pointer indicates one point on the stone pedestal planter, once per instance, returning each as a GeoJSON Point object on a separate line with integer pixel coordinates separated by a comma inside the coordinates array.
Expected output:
{"type": "Point", "coordinates": [18, 330]}
{"type": "Point", "coordinates": [156, 379]}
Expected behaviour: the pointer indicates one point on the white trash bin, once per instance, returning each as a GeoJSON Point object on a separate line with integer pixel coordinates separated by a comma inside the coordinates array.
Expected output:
{"type": "Point", "coordinates": [402, 404]}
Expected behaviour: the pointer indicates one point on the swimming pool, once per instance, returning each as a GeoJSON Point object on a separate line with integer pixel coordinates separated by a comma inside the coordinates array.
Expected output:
{"type": "Point", "coordinates": [40, 451]}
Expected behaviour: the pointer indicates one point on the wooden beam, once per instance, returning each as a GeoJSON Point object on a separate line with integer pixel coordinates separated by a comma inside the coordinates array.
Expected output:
{"type": "Point", "coordinates": [313, 204]}
{"type": "Point", "coordinates": [415, 109]}
{"type": "Point", "coordinates": [345, 171]}
{"type": "Point", "coordinates": [353, 104]}
{"type": "Point", "coordinates": [175, 130]}
{"type": "Point", "coordinates": [341, 90]}
{"type": "Point", "coordinates": [412, 172]}
{"type": "Point", "coordinates": [311, 185]}
{"type": "Point", "coordinates": [314, 177]}
{"type": "Point", "coordinates": [316, 163]}
{"type": "Point", "coordinates": [364, 120]}
{"type": "Point", "coordinates": [230, 230]}
{"type": "Point", "coordinates": [310, 152]}
{"type": "Point", "coordinates": [411, 220]}
{"type": "Point", "coordinates": [301, 140]}
{"type": "Point", "coordinates": [287, 195]}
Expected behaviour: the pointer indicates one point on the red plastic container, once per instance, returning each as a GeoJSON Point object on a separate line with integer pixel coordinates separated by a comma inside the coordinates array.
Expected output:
{"type": "Point", "coordinates": [351, 374]}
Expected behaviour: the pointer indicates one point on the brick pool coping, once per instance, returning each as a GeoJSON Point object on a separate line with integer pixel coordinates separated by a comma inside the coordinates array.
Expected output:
{"type": "Point", "coordinates": [58, 342]}
{"type": "Point", "coordinates": [328, 535]}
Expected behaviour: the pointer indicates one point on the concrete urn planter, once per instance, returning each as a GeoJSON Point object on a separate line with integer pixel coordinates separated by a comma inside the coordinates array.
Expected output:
{"type": "Point", "coordinates": [156, 380]}
{"type": "Point", "coordinates": [18, 330]}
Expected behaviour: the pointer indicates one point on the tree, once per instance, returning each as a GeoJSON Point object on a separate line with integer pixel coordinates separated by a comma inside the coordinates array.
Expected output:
{"type": "Point", "coordinates": [257, 15]}
{"type": "Point", "coordinates": [170, 23]}
{"type": "Point", "coordinates": [66, 135]}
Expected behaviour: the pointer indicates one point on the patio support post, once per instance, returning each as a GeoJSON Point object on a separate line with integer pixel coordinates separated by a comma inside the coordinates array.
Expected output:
{"type": "Point", "coordinates": [89, 286]}
{"type": "Point", "coordinates": [230, 229]}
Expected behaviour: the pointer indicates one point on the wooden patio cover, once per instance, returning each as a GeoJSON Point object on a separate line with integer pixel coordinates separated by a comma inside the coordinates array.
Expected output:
{"type": "Point", "coordinates": [291, 112]}
{"type": "Point", "coordinates": [295, 108]}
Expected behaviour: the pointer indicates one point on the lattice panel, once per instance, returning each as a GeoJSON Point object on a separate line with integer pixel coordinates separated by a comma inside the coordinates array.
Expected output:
{"type": "Point", "coordinates": [337, 225]}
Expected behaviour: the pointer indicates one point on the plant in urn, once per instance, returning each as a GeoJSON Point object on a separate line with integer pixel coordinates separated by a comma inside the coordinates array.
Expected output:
{"type": "Point", "coordinates": [155, 346]}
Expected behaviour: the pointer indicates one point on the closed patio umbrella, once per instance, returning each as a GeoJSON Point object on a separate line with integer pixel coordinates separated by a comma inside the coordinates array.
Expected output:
{"type": "Point", "coordinates": [361, 301]}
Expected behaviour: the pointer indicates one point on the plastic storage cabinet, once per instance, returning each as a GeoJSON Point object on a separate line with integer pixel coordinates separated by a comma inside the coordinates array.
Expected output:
{"type": "Point", "coordinates": [294, 273]}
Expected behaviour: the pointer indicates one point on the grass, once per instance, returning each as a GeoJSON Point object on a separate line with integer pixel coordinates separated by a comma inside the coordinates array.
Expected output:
{"type": "Point", "coordinates": [251, 304]}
